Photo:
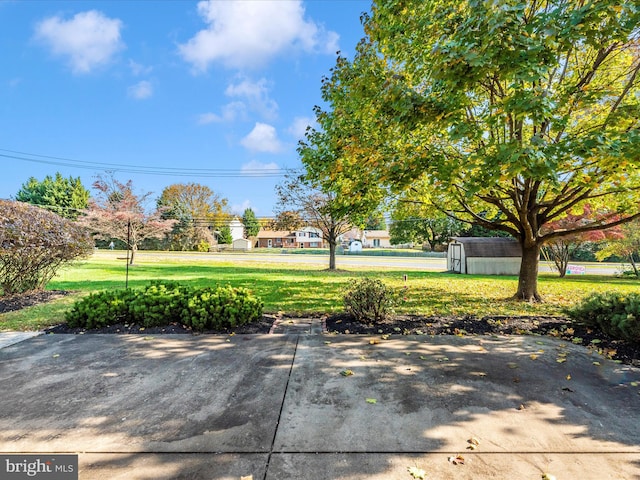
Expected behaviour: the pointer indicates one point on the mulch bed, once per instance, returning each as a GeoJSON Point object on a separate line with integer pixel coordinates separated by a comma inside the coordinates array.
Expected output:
{"type": "Point", "coordinates": [559, 327]}
{"type": "Point", "coordinates": [17, 302]}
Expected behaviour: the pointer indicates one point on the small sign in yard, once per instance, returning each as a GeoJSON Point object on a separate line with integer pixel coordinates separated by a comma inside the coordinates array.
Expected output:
{"type": "Point", "coordinates": [576, 269]}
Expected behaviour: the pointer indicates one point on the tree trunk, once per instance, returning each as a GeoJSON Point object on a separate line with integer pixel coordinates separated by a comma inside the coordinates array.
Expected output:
{"type": "Point", "coordinates": [133, 249]}
{"type": "Point", "coordinates": [528, 280]}
{"type": "Point", "coordinates": [332, 253]}
{"type": "Point", "coordinates": [633, 265]}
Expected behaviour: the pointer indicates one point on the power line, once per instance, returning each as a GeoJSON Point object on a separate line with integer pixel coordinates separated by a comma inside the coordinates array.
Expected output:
{"type": "Point", "coordinates": [169, 171]}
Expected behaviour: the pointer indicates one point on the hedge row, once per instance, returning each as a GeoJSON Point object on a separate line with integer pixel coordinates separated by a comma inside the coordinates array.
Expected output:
{"type": "Point", "coordinates": [162, 303]}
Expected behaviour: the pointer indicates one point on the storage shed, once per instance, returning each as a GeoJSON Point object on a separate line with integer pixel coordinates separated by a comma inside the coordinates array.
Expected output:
{"type": "Point", "coordinates": [242, 244]}
{"type": "Point", "coordinates": [484, 256]}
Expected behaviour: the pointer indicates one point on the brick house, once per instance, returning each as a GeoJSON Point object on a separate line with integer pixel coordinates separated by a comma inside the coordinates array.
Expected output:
{"type": "Point", "coordinates": [307, 237]}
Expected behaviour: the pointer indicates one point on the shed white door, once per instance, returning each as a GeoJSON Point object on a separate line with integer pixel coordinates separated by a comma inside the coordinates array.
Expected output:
{"type": "Point", "coordinates": [456, 257]}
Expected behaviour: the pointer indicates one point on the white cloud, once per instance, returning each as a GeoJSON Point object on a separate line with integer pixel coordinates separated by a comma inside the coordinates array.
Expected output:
{"type": "Point", "coordinates": [141, 90]}
{"type": "Point", "coordinates": [249, 33]}
{"type": "Point", "coordinates": [230, 112]}
{"type": "Point", "coordinates": [263, 138]}
{"type": "Point", "coordinates": [299, 126]}
{"type": "Point", "coordinates": [257, 167]}
{"type": "Point", "coordinates": [206, 118]}
{"type": "Point", "coordinates": [138, 69]}
{"type": "Point", "coordinates": [256, 94]}
{"type": "Point", "coordinates": [239, 209]}
{"type": "Point", "coordinates": [88, 40]}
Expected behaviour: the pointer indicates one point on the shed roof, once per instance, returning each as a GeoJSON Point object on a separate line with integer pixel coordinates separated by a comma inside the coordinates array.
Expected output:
{"type": "Point", "coordinates": [489, 246]}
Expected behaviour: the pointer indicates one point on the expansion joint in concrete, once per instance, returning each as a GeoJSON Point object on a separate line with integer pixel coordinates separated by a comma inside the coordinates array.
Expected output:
{"type": "Point", "coordinates": [286, 388]}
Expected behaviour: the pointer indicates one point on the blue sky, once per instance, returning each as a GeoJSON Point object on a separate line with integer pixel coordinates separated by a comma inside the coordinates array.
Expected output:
{"type": "Point", "coordinates": [184, 88]}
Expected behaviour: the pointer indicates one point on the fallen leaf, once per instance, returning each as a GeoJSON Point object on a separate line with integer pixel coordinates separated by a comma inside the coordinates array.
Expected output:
{"type": "Point", "coordinates": [422, 357]}
{"type": "Point", "coordinates": [634, 384]}
{"type": "Point", "coordinates": [346, 373]}
{"type": "Point", "coordinates": [374, 341]}
{"type": "Point", "coordinates": [457, 460]}
{"type": "Point", "coordinates": [473, 441]}
{"type": "Point", "coordinates": [533, 356]}
{"type": "Point", "coordinates": [372, 401]}
{"type": "Point", "coordinates": [55, 355]}
{"type": "Point", "coordinates": [548, 476]}
{"type": "Point", "coordinates": [248, 477]}
{"type": "Point", "coordinates": [568, 377]}
{"type": "Point", "coordinates": [596, 340]}
{"type": "Point", "coordinates": [512, 365]}
{"type": "Point", "coordinates": [561, 360]}
{"type": "Point", "coordinates": [521, 407]}
{"type": "Point", "coordinates": [327, 343]}
{"type": "Point", "coordinates": [596, 363]}
{"type": "Point", "coordinates": [471, 447]}
{"type": "Point", "coordinates": [385, 337]}
{"type": "Point", "coordinates": [418, 473]}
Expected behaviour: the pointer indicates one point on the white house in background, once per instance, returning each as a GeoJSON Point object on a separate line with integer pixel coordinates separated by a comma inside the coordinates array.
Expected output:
{"type": "Point", "coordinates": [307, 237]}
{"type": "Point", "coordinates": [367, 238]}
{"type": "Point", "coordinates": [237, 229]}
{"type": "Point", "coordinates": [376, 239]}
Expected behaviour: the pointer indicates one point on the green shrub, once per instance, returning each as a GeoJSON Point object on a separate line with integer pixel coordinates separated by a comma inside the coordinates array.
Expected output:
{"type": "Point", "coordinates": [203, 246]}
{"type": "Point", "coordinates": [162, 303]}
{"type": "Point", "coordinates": [616, 314]}
{"type": "Point", "coordinates": [369, 300]}
{"type": "Point", "coordinates": [220, 308]}
{"type": "Point", "coordinates": [159, 304]}
{"type": "Point", "coordinates": [100, 309]}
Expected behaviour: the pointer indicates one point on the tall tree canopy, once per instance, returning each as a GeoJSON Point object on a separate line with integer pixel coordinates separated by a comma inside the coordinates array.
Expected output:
{"type": "Point", "coordinates": [117, 211]}
{"type": "Point", "coordinates": [299, 197]}
{"type": "Point", "coordinates": [416, 222]}
{"type": "Point", "coordinates": [65, 196]}
{"type": "Point", "coordinates": [250, 222]}
{"type": "Point", "coordinates": [515, 113]}
{"type": "Point", "coordinates": [197, 209]}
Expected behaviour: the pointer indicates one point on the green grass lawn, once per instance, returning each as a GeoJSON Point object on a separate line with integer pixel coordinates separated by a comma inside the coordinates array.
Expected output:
{"type": "Point", "coordinates": [304, 289]}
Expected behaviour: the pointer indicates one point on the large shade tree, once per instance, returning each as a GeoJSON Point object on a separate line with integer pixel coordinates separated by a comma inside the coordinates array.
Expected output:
{"type": "Point", "coordinates": [301, 198]}
{"type": "Point", "coordinates": [198, 211]}
{"type": "Point", "coordinates": [515, 113]}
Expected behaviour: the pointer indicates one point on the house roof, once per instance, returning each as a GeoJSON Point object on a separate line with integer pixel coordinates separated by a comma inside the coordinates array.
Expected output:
{"type": "Point", "coordinates": [274, 234]}
{"type": "Point", "coordinates": [377, 234]}
{"type": "Point", "coordinates": [489, 246]}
